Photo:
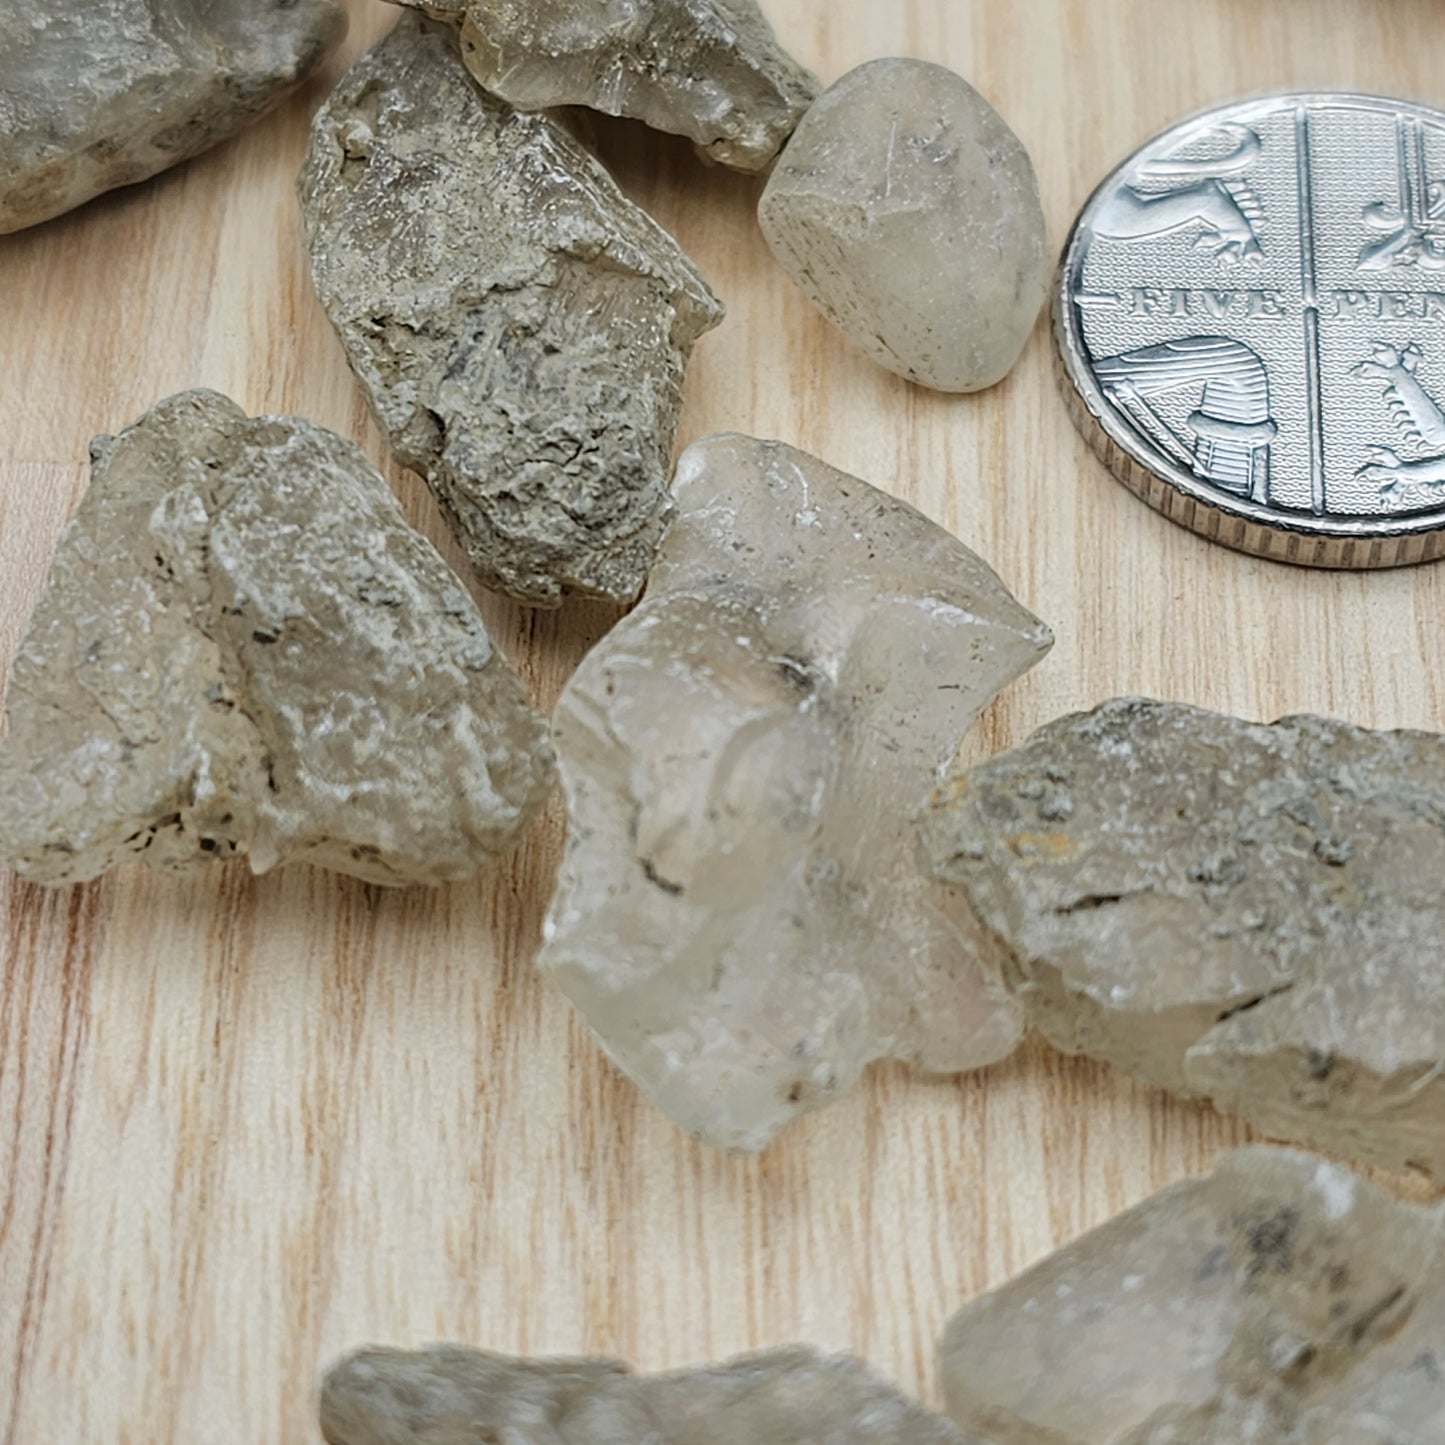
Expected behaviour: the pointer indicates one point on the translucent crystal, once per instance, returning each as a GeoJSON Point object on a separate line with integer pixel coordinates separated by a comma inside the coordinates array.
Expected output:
{"type": "Point", "coordinates": [1281, 1300]}
{"type": "Point", "coordinates": [519, 327]}
{"type": "Point", "coordinates": [711, 70]}
{"type": "Point", "coordinates": [1252, 914]}
{"type": "Point", "coordinates": [741, 915]}
{"type": "Point", "coordinates": [909, 214]}
{"type": "Point", "coordinates": [242, 649]}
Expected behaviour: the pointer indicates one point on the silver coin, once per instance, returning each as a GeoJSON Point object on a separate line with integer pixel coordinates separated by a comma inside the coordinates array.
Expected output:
{"type": "Point", "coordinates": [1251, 322]}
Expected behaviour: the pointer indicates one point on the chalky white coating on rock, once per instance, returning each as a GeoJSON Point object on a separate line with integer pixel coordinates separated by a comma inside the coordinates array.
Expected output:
{"type": "Point", "coordinates": [711, 70]}
{"type": "Point", "coordinates": [1280, 1300]}
{"type": "Point", "coordinates": [446, 1395]}
{"type": "Point", "coordinates": [520, 328]}
{"type": "Point", "coordinates": [101, 93]}
{"type": "Point", "coordinates": [243, 649]}
{"type": "Point", "coordinates": [741, 915]}
{"type": "Point", "coordinates": [1252, 914]}
{"type": "Point", "coordinates": [909, 214]}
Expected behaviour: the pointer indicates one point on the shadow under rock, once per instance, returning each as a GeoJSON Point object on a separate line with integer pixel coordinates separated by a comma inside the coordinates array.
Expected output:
{"type": "Point", "coordinates": [709, 210]}
{"type": "Point", "coordinates": [659, 171]}
{"type": "Point", "coordinates": [545, 647]}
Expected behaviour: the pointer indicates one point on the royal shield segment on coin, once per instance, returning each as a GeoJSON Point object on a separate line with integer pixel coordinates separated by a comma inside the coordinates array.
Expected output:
{"type": "Point", "coordinates": [1251, 320]}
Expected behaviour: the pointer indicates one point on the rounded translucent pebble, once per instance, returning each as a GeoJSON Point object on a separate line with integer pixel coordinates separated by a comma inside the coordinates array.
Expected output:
{"type": "Point", "coordinates": [909, 213]}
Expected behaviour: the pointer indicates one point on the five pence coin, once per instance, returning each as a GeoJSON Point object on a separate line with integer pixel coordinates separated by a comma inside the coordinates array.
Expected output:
{"type": "Point", "coordinates": [1251, 324]}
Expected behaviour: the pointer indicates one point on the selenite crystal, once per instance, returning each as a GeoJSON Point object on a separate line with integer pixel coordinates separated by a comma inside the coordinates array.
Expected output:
{"type": "Point", "coordinates": [447, 1395]}
{"type": "Point", "coordinates": [100, 93]}
{"type": "Point", "coordinates": [711, 70]}
{"type": "Point", "coordinates": [909, 214]}
{"type": "Point", "coordinates": [742, 916]}
{"type": "Point", "coordinates": [520, 328]}
{"type": "Point", "coordinates": [243, 649]}
{"type": "Point", "coordinates": [1252, 914]}
{"type": "Point", "coordinates": [1281, 1300]}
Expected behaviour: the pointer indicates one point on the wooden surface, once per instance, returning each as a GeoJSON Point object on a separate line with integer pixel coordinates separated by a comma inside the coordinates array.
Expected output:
{"type": "Point", "coordinates": [247, 1123]}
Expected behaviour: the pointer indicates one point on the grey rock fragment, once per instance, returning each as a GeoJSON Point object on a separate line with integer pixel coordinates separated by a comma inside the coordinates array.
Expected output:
{"type": "Point", "coordinates": [909, 214]}
{"type": "Point", "coordinates": [741, 914]}
{"type": "Point", "coordinates": [1281, 1300]}
{"type": "Point", "coordinates": [447, 1395]}
{"type": "Point", "coordinates": [242, 649]}
{"type": "Point", "coordinates": [1251, 914]}
{"type": "Point", "coordinates": [103, 93]}
{"type": "Point", "coordinates": [519, 327]}
{"type": "Point", "coordinates": [711, 70]}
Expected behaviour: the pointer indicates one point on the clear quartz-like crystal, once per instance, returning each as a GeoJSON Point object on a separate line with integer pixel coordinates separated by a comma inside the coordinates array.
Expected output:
{"type": "Point", "coordinates": [1280, 1300]}
{"type": "Point", "coordinates": [1251, 914]}
{"type": "Point", "coordinates": [243, 649]}
{"type": "Point", "coordinates": [107, 92]}
{"type": "Point", "coordinates": [742, 916]}
{"type": "Point", "coordinates": [909, 214]}
{"type": "Point", "coordinates": [448, 1395]}
{"type": "Point", "coordinates": [711, 70]}
{"type": "Point", "coordinates": [519, 327]}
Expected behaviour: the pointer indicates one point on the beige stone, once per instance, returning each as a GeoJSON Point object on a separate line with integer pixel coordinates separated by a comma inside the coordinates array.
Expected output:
{"type": "Point", "coordinates": [519, 327]}
{"type": "Point", "coordinates": [448, 1395]}
{"type": "Point", "coordinates": [102, 93]}
{"type": "Point", "coordinates": [242, 650]}
{"type": "Point", "coordinates": [1250, 914]}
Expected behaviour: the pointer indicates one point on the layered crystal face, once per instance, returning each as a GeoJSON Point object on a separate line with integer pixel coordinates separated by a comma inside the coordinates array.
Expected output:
{"type": "Point", "coordinates": [1281, 1298]}
{"type": "Point", "coordinates": [711, 70]}
{"type": "Point", "coordinates": [742, 915]}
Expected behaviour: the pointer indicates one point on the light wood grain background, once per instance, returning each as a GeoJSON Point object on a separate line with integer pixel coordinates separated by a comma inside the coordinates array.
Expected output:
{"type": "Point", "coordinates": [248, 1123]}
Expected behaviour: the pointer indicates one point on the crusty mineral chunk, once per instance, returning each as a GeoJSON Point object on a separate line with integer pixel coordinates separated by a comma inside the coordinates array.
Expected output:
{"type": "Point", "coordinates": [99, 93]}
{"type": "Point", "coordinates": [742, 915]}
{"type": "Point", "coordinates": [909, 214]}
{"type": "Point", "coordinates": [1280, 1300]}
{"type": "Point", "coordinates": [519, 327]}
{"type": "Point", "coordinates": [242, 648]}
{"type": "Point", "coordinates": [711, 70]}
{"type": "Point", "coordinates": [1253, 914]}
{"type": "Point", "coordinates": [447, 1395]}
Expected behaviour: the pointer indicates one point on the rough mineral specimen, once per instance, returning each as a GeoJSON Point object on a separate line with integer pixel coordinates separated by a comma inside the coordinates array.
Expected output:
{"type": "Point", "coordinates": [1253, 914]}
{"type": "Point", "coordinates": [741, 915]}
{"type": "Point", "coordinates": [243, 649]}
{"type": "Point", "coordinates": [1279, 1301]}
{"type": "Point", "coordinates": [104, 93]}
{"type": "Point", "coordinates": [711, 70]}
{"type": "Point", "coordinates": [447, 1395]}
{"type": "Point", "coordinates": [908, 212]}
{"type": "Point", "coordinates": [519, 327]}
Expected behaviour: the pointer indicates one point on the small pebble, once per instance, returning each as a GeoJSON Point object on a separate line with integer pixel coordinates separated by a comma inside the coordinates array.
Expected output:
{"type": "Point", "coordinates": [909, 213]}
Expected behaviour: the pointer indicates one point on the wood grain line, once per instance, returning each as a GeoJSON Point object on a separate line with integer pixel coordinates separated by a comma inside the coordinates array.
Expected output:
{"type": "Point", "coordinates": [248, 1123]}
{"type": "Point", "coordinates": [44, 1019]}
